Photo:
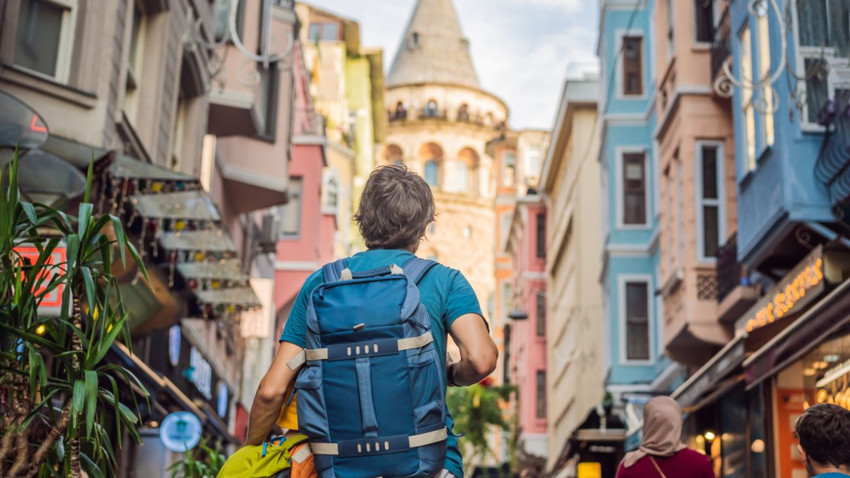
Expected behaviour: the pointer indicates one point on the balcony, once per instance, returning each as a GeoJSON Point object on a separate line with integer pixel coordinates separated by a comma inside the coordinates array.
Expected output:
{"type": "Point", "coordinates": [833, 164]}
{"type": "Point", "coordinates": [734, 292]}
{"type": "Point", "coordinates": [721, 49]}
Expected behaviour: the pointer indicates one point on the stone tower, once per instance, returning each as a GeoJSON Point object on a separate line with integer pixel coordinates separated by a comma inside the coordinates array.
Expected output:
{"type": "Point", "coordinates": [440, 121]}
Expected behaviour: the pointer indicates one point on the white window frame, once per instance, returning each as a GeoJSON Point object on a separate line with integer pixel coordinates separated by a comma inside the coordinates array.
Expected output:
{"type": "Point", "coordinates": [747, 97]}
{"type": "Point", "coordinates": [763, 46]}
{"type": "Point", "coordinates": [330, 180]}
{"type": "Point", "coordinates": [620, 153]}
{"type": "Point", "coordinates": [833, 80]}
{"type": "Point", "coordinates": [622, 279]}
{"type": "Point", "coordinates": [618, 47]}
{"type": "Point", "coordinates": [66, 41]}
{"type": "Point", "coordinates": [720, 202]}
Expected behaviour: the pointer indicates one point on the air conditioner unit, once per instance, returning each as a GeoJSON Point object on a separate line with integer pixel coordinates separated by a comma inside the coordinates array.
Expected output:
{"type": "Point", "coordinates": [270, 233]}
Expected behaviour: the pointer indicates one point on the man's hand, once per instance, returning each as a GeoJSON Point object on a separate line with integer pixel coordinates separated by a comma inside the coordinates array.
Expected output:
{"type": "Point", "coordinates": [478, 353]}
{"type": "Point", "coordinates": [271, 394]}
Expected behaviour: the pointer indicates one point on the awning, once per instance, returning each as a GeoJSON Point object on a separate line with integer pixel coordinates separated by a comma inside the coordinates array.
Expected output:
{"type": "Point", "coordinates": [126, 167]}
{"type": "Point", "coordinates": [243, 296]}
{"type": "Point", "coordinates": [210, 240]}
{"type": "Point", "coordinates": [706, 379]}
{"type": "Point", "coordinates": [184, 205]}
{"type": "Point", "coordinates": [226, 270]}
{"type": "Point", "coordinates": [812, 328]}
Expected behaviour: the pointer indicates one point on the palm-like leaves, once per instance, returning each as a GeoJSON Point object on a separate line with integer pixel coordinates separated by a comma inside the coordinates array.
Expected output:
{"type": "Point", "coordinates": [59, 401]}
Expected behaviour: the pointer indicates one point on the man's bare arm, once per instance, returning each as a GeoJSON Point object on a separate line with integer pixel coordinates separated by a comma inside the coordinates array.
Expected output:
{"type": "Point", "coordinates": [271, 394]}
{"type": "Point", "coordinates": [478, 353]}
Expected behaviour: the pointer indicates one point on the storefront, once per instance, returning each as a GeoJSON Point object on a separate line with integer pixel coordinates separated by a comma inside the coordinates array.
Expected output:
{"type": "Point", "coordinates": [791, 349]}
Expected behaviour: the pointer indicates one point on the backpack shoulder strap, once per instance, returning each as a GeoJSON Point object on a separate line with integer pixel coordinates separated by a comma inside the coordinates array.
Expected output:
{"type": "Point", "coordinates": [332, 271]}
{"type": "Point", "coordinates": [416, 268]}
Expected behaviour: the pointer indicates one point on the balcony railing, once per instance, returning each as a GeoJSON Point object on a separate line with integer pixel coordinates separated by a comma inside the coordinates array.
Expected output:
{"type": "Point", "coordinates": [728, 268]}
{"type": "Point", "coordinates": [721, 49]}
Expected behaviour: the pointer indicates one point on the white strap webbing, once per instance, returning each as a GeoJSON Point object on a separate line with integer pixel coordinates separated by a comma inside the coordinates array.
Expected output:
{"type": "Point", "coordinates": [322, 354]}
{"type": "Point", "coordinates": [414, 441]}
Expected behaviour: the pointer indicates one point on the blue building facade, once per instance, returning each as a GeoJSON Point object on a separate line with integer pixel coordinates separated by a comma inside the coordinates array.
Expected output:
{"type": "Point", "coordinates": [635, 360]}
{"type": "Point", "coordinates": [782, 184]}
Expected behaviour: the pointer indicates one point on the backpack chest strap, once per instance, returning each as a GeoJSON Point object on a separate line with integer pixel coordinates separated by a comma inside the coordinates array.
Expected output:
{"type": "Point", "coordinates": [369, 348]}
{"type": "Point", "coordinates": [379, 445]}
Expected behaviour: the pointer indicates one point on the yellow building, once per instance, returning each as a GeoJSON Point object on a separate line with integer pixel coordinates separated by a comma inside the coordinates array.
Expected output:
{"type": "Point", "coordinates": [440, 121]}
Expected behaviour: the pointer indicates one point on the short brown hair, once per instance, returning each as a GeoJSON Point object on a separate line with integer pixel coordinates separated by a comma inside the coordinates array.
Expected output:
{"type": "Point", "coordinates": [824, 434]}
{"type": "Point", "coordinates": [395, 209]}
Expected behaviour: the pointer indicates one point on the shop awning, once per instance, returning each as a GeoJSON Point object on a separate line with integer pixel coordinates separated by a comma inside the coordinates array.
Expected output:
{"type": "Point", "coordinates": [127, 167]}
{"type": "Point", "coordinates": [818, 322]}
{"type": "Point", "coordinates": [706, 379]}
{"type": "Point", "coordinates": [210, 240]}
{"type": "Point", "coordinates": [243, 296]}
{"type": "Point", "coordinates": [227, 270]}
{"type": "Point", "coordinates": [184, 205]}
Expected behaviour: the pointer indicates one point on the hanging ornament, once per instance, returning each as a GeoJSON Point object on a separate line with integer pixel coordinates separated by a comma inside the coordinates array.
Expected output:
{"type": "Point", "coordinates": [179, 225]}
{"type": "Point", "coordinates": [142, 248]}
{"type": "Point", "coordinates": [171, 266]}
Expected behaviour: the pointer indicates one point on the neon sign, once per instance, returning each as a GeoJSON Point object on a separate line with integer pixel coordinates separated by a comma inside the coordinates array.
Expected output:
{"type": "Point", "coordinates": [790, 295]}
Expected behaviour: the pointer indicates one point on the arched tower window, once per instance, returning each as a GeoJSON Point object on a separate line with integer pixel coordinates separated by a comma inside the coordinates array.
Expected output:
{"type": "Point", "coordinates": [466, 171]}
{"type": "Point", "coordinates": [431, 109]}
{"type": "Point", "coordinates": [431, 157]}
{"type": "Point", "coordinates": [392, 154]}
{"type": "Point", "coordinates": [400, 112]}
{"type": "Point", "coordinates": [432, 170]}
{"type": "Point", "coordinates": [414, 39]}
{"type": "Point", "coordinates": [463, 113]}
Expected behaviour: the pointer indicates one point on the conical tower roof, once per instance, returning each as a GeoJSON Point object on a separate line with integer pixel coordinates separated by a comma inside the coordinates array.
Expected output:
{"type": "Point", "coordinates": [433, 48]}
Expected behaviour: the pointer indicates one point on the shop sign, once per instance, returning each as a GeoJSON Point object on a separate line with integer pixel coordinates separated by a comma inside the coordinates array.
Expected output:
{"type": "Point", "coordinates": [589, 470]}
{"type": "Point", "coordinates": [180, 431]}
{"type": "Point", "coordinates": [174, 337]}
{"type": "Point", "coordinates": [201, 373]}
{"type": "Point", "coordinates": [731, 357]}
{"type": "Point", "coordinates": [51, 302]}
{"type": "Point", "coordinates": [802, 285]}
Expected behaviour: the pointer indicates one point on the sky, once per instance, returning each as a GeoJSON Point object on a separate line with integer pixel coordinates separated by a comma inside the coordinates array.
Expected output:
{"type": "Point", "coordinates": [521, 48]}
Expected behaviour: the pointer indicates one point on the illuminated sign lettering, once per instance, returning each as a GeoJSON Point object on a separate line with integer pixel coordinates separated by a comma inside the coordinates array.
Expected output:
{"type": "Point", "coordinates": [804, 283]}
{"type": "Point", "coordinates": [51, 300]}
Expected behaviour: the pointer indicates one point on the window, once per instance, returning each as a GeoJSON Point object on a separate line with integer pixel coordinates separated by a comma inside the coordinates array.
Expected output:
{"type": "Point", "coordinates": [670, 31]}
{"type": "Point", "coordinates": [330, 192]}
{"type": "Point", "coordinates": [763, 40]}
{"type": "Point", "coordinates": [705, 20]}
{"type": "Point", "coordinates": [463, 113]}
{"type": "Point", "coordinates": [222, 9]}
{"type": "Point", "coordinates": [509, 169]}
{"type": "Point", "coordinates": [462, 178]}
{"type": "Point", "coordinates": [634, 189]}
{"type": "Point", "coordinates": [290, 213]}
{"type": "Point", "coordinates": [431, 109]}
{"type": "Point", "coordinates": [746, 74]}
{"type": "Point", "coordinates": [823, 29]}
{"type": "Point", "coordinates": [467, 232]}
{"type": "Point", "coordinates": [267, 108]}
{"type": "Point", "coordinates": [432, 171]}
{"type": "Point", "coordinates": [506, 299]}
{"type": "Point", "coordinates": [327, 31]}
{"type": "Point", "coordinates": [632, 65]}
{"type": "Point", "coordinates": [178, 131]}
{"type": "Point", "coordinates": [710, 212]}
{"type": "Point", "coordinates": [505, 228]}
{"type": "Point", "coordinates": [134, 64]}
{"type": "Point", "coordinates": [637, 320]}
{"type": "Point", "coordinates": [45, 33]}
{"type": "Point", "coordinates": [415, 39]}
{"type": "Point", "coordinates": [541, 235]}
{"type": "Point", "coordinates": [533, 161]}
{"type": "Point", "coordinates": [541, 313]}
{"type": "Point", "coordinates": [541, 394]}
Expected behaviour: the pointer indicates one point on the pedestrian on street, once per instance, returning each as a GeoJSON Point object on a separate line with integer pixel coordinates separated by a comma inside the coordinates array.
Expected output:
{"type": "Point", "coordinates": [395, 210]}
{"type": "Point", "coordinates": [824, 435]}
{"type": "Point", "coordinates": [661, 453]}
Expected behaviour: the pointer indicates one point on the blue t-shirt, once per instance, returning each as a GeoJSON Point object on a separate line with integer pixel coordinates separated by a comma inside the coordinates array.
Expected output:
{"type": "Point", "coordinates": [445, 293]}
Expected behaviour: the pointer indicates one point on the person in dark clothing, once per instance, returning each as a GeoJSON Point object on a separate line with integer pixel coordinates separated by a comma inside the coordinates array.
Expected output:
{"type": "Point", "coordinates": [661, 453]}
{"type": "Point", "coordinates": [824, 435]}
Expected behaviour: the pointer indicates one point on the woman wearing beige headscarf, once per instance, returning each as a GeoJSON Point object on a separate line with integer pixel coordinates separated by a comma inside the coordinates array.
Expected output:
{"type": "Point", "coordinates": [661, 453]}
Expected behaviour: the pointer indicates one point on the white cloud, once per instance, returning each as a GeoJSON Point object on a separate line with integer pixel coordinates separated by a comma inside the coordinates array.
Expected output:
{"type": "Point", "coordinates": [521, 48]}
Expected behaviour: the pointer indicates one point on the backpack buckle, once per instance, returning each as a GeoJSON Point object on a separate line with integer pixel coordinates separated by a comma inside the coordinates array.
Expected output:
{"type": "Point", "coordinates": [396, 270]}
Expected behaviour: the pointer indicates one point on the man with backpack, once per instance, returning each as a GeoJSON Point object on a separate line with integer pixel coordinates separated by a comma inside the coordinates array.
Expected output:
{"type": "Point", "coordinates": [365, 344]}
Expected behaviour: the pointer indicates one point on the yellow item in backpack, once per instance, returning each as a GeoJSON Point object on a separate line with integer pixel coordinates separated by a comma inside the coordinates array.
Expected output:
{"type": "Point", "coordinates": [288, 418]}
{"type": "Point", "coordinates": [266, 460]}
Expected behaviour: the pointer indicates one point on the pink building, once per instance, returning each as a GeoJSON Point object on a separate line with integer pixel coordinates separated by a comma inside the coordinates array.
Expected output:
{"type": "Point", "coordinates": [526, 338]}
{"type": "Point", "coordinates": [307, 235]}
